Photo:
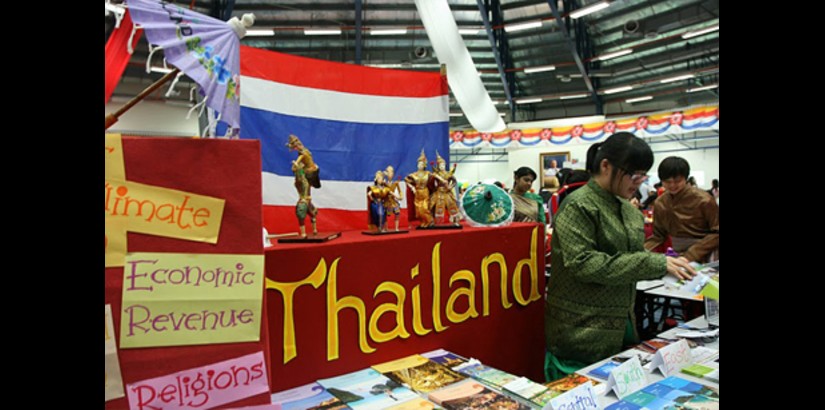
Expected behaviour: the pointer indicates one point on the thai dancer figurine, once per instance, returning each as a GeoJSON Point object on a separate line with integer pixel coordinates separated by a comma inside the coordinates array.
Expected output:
{"type": "Point", "coordinates": [418, 183]}
{"type": "Point", "coordinates": [377, 195]}
{"type": "Point", "coordinates": [394, 195]}
{"type": "Point", "coordinates": [306, 176]}
{"type": "Point", "coordinates": [443, 199]}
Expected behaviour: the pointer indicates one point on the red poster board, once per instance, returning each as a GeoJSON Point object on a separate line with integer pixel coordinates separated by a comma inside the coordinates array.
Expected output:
{"type": "Point", "coordinates": [511, 339]}
{"type": "Point", "coordinates": [218, 168]}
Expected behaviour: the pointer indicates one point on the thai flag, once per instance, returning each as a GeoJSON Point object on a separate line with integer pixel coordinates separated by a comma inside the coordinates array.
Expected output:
{"type": "Point", "coordinates": [355, 120]}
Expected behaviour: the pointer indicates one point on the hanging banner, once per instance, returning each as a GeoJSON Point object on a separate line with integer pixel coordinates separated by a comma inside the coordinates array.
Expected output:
{"type": "Point", "coordinates": [670, 122]}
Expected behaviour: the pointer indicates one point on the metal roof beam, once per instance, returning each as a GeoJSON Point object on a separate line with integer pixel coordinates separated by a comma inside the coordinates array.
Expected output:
{"type": "Point", "coordinates": [579, 63]}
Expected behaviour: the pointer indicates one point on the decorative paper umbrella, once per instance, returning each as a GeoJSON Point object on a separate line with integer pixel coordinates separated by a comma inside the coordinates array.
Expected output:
{"type": "Point", "coordinates": [202, 47]}
{"type": "Point", "coordinates": [486, 205]}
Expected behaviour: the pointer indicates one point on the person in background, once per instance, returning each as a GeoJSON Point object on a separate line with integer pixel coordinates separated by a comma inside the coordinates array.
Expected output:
{"type": "Point", "coordinates": [527, 206]}
{"type": "Point", "coordinates": [714, 189]}
{"type": "Point", "coordinates": [691, 181]}
{"type": "Point", "coordinates": [598, 255]}
{"type": "Point", "coordinates": [685, 213]}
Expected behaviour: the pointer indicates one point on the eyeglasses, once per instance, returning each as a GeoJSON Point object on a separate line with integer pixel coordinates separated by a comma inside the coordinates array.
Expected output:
{"type": "Point", "coordinates": [635, 178]}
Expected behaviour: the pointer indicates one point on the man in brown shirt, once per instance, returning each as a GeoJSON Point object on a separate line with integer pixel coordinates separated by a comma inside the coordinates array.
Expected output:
{"type": "Point", "coordinates": [689, 215]}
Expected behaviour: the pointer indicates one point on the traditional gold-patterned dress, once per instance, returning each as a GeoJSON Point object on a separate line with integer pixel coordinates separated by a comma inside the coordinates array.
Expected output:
{"type": "Point", "coordinates": [419, 180]}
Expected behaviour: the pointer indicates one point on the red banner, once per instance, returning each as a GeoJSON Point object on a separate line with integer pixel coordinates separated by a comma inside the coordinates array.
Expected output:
{"type": "Point", "coordinates": [360, 300]}
{"type": "Point", "coordinates": [230, 170]}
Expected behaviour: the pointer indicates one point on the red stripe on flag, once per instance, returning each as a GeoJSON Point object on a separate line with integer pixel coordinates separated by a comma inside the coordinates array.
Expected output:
{"type": "Point", "coordinates": [282, 219]}
{"type": "Point", "coordinates": [349, 78]}
{"type": "Point", "coordinates": [117, 56]}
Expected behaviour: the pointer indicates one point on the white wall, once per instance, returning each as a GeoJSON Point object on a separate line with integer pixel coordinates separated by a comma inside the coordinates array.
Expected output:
{"type": "Point", "coordinates": [154, 118]}
{"type": "Point", "coordinates": [474, 172]}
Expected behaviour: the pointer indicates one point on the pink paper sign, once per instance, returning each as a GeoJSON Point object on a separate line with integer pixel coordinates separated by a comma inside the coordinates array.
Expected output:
{"type": "Point", "coordinates": [202, 387]}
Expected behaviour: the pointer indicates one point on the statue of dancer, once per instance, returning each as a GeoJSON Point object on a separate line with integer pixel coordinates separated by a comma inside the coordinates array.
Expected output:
{"type": "Point", "coordinates": [418, 182]}
{"type": "Point", "coordinates": [443, 199]}
{"type": "Point", "coordinates": [306, 175]}
{"type": "Point", "coordinates": [391, 203]}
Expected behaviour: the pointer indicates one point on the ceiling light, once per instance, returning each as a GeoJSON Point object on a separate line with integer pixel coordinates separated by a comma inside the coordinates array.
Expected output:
{"type": "Point", "coordinates": [322, 32]}
{"type": "Point", "coordinates": [705, 87]}
{"type": "Point", "coordinates": [267, 32]}
{"type": "Point", "coordinates": [639, 99]}
{"type": "Point", "coordinates": [387, 32]}
{"type": "Point", "coordinates": [539, 69]}
{"type": "Point", "coordinates": [528, 100]}
{"type": "Point", "coordinates": [456, 114]}
{"type": "Point", "coordinates": [522, 26]}
{"type": "Point", "coordinates": [706, 30]}
{"type": "Point", "coordinates": [677, 78]}
{"type": "Point", "coordinates": [614, 54]}
{"type": "Point", "coordinates": [570, 97]}
{"type": "Point", "coordinates": [617, 89]}
{"type": "Point", "coordinates": [160, 70]}
{"type": "Point", "coordinates": [502, 114]}
{"type": "Point", "coordinates": [583, 11]}
{"type": "Point", "coordinates": [470, 31]}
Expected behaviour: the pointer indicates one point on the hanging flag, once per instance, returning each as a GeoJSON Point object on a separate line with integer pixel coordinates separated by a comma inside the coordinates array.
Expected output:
{"type": "Point", "coordinates": [117, 53]}
{"type": "Point", "coordinates": [355, 120]}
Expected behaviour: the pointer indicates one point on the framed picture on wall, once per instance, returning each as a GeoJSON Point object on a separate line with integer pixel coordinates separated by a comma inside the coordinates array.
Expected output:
{"type": "Point", "coordinates": [550, 164]}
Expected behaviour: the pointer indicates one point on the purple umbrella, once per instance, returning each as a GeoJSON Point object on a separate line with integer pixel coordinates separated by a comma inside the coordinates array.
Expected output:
{"type": "Point", "coordinates": [204, 48]}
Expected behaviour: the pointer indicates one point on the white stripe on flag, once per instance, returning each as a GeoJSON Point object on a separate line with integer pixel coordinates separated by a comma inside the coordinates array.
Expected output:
{"type": "Point", "coordinates": [346, 195]}
{"type": "Point", "coordinates": [333, 105]}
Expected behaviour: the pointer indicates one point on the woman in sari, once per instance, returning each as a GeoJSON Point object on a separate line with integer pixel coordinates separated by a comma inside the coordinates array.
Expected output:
{"type": "Point", "coordinates": [527, 206]}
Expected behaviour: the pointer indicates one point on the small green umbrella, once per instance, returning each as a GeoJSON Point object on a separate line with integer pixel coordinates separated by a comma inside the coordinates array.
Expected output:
{"type": "Point", "coordinates": [486, 205]}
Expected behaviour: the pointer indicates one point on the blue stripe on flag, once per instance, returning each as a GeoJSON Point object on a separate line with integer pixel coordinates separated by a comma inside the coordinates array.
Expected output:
{"type": "Point", "coordinates": [344, 151]}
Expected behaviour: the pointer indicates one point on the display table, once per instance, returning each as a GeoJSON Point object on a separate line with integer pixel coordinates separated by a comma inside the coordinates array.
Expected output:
{"type": "Point", "coordinates": [358, 300]}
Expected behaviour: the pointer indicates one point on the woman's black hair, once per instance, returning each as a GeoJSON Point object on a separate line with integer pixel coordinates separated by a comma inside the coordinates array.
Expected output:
{"type": "Point", "coordinates": [524, 171]}
{"type": "Point", "coordinates": [714, 183]}
{"type": "Point", "coordinates": [623, 150]}
{"type": "Point", "coordinates": [672, 167]}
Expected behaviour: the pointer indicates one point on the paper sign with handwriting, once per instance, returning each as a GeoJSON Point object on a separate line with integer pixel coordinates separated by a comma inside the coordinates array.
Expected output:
{"type": "Point", "coordinates": [580, 398]}
{"type": "Point", "coordinates": [672, 358]}
{"type": "Point", "coordinates": [164, 212]}
{"type": "Point", "coordinates": [114, 382]}
{"type": "Point", "coordinates": [627, 378]}
{"type": "Point", "coordinates": [202, 387]}
{"type": "Point", "coordinates": [115, 241]}
{"type": "Point", "coordinates": [114, 157]}
{"type": "Point", "coordinates": [172, 299]}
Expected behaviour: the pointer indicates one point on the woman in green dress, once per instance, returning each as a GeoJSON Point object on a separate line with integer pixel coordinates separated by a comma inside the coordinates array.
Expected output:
{"type": "Point", "coordinates": [598, 256]}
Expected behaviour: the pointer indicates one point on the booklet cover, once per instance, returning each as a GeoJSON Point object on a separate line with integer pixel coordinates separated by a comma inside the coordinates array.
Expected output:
{"type": "Point", "coordinates": [671, 393]}
{"type": "Point", "coordinates": [485, 374]}
{"type": "Point", "coordinates": [563, 385]}
{"type": "Point", "coordinates": [311, 396]}
{"type": "Point", "coordinates": [367, 389]}
{"type": "Point", "coordinates": [445, 358]}
{"type": "Point", "coordinates": [470, 394]}
{"type": "Point", "coordinates": [603, 371]}
{"type": "Point", "coordinates": [419, 373]}
{"type": "Point", "coordinates": [524, 388]}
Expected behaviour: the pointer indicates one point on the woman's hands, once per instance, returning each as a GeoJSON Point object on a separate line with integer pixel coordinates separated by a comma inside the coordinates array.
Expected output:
{"type": "Point", "coordinates": [680, 268]}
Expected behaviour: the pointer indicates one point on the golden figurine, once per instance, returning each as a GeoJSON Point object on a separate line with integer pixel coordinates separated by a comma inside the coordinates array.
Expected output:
{"type": "Point", "coordinates": [377, 196]}
{"type": "Point", "coordinates": [306, 176]}
{"type": "Point", "coordinates": [391, 205]}
{"type": "Point", "coordinates": [418, 183]}
{"type": "Point", "coordinates": [443, 199]}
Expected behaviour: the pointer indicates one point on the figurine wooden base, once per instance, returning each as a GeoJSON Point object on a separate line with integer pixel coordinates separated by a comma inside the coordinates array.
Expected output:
{"type": "Point", "coordinates": [390, 232]}
{"type": "Point", "coordinates": [314, 238]}
{"type": "Point", "coordinates": [440, 227]}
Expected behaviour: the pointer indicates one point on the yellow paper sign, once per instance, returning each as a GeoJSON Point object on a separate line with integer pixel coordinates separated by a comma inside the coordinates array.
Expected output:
{"type": "Point", "coordinates": [172, 299]}
{"type": "Point", "coordinates": [114, 381]}
{"type": "Point", "coordinates": [114, 157]}
{"type": "Point", "coordinates": [163, 211]}
{"type": "Point", "coordinates": [115, 241]}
